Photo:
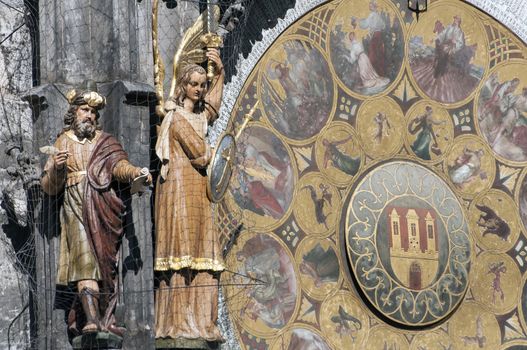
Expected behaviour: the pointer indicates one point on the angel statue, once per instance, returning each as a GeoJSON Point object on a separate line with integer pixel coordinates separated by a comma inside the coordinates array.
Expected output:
{"type": "Point", "coordinates": [187, 254]}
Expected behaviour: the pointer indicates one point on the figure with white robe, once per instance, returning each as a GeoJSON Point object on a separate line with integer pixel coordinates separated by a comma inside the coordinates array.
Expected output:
{"type": "Point", "coordinates": [371, 81]}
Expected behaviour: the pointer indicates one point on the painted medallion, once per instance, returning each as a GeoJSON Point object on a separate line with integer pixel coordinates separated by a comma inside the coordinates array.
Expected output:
{"type": "Point", "coordinates": [316, 204]}
{"type": "Point", "coordinates": [501, 108]}
{"type": "Point", "coordinates": [380, 127]}
{"type": "Point", "coordinates": [318, 266]}
{"type": "Point", "coordinates": [366, 46]}
{"type": "Point", "coordinates": [473, 327]}
{"type": "Point", "coordinates": [265, 286]}
{"type": "Point", "coordinates": [407, 243]}
{"type": "Point", "coordinates": [338, 153]}
{"type": "Point", "coordinates": [447, 53]}
{"type": "Point", "coordinates": [429, 131]}
{"type": "Point", "coordinates": [263, 177]}
{"type": "Point", "coordinates": [296, 89]}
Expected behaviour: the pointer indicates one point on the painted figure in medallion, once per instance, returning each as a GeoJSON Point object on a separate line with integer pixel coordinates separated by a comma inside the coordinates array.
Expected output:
{"type": "Point", "coordinates": [297, 90]}
{"type": "Point", "coordinates": [321, 265]}
{"type": "Point", "coordinates": [492, 223]}
{"type": "Point", "coordinates": [382, 127]}
{"type": "Point", "coordinates": [426, 141]}
{"type": "Point", "coordinates": [306, 340]}
{"type": "Point", "coordinates": [368, 63]}
{"type": "Point", "coordinates": [467, 167]}
{"type": "Point", "coordinates": [320, 202]}
{"type": "Point", "coordinates": [375, 23]}
{"type": "Point", "coordinates": [346, 324]}
{"type": "Point", "coordinates": [497, 269]}
{"type": "Point", "coordinates": [370, 80]}
{"type": "Point", "coordinates": [82, 166]}
{"type": "Point", "coordinates": [338, 159]}
{"type": "Point", "coordinates": [271, 302]}
{"type": "Point", "coordinates": [502, 116]}
{"type": "Point", "coordinates": [187, 247]}
{"type": "Point", "coordinates": [479, 339]}
{"type": "Point", "coordinates": [444, 68]}
{"type": "Point", "coordinates": [263, 180]}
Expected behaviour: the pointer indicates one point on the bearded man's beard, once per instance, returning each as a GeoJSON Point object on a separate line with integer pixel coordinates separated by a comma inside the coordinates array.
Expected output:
{"type": "Point", "coordinates": [84, 129]}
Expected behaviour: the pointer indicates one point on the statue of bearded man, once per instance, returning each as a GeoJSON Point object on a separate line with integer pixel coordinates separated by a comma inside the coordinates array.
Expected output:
{"type": "Point", "coordinates": [85, 162]}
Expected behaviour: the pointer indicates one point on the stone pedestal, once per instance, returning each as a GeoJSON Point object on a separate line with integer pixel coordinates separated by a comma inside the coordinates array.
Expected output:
{"type": "Point", "coordinates": [195, 344]}
{"type": "Point", "coordinates": [98, 340]}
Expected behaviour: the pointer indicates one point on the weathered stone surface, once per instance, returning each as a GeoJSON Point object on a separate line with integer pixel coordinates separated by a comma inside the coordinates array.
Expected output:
{"type": "Point", "coordinates": [15, 51]}
{"type": "Point", "coordinates": [102, 41]}
{"type": "Point", "coordinates": [15, 129]}
{"type": "Point", "coordinates": [14, 297]}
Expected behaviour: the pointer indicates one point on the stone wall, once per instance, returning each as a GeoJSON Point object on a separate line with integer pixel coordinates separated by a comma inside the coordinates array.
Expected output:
{"type": "Point", "coordinates": [15, 129]}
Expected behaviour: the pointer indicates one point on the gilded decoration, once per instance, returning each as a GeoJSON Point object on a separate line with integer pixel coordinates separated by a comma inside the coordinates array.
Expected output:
{"type": "Point", "coordinates": [408, 243]}
{"type": "Point", "coordinates": [382, 186]}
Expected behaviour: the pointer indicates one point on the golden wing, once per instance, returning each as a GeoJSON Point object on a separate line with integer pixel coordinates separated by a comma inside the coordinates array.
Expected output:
{"type": "Point", "coordinates": [191, 48]}
{"type": "Point", "coordinates": [159, 67]}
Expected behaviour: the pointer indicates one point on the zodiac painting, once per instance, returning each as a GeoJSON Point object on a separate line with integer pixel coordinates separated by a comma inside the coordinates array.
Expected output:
{"type": "Point", "coordinates": [494, 220]}
{"type": "Point", "coordinates": [496, 276]}
{"type": "Point", "coordinates": [297, 89]}
{"type": "Point", "coordinates": [315, 204]}
{"type": "Point", "coordinates": [470, 166]}
{"type": "Point", "coordinates": [366, 49]}
{"type": "Point", "coordinates": [342, 322]}
{"type": "Point", "coordinates": [338, 153]}
{"type": "Point", "coordinates": [319, 267]}
{"type": "Point", "coordinates": [502, 105]}
{"type": "Point", "coordinates": [380, 125]}
{"type": "Point", "coordinates": [447, 54]}
{"type": "Point", "coordinates": [472, 327]}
